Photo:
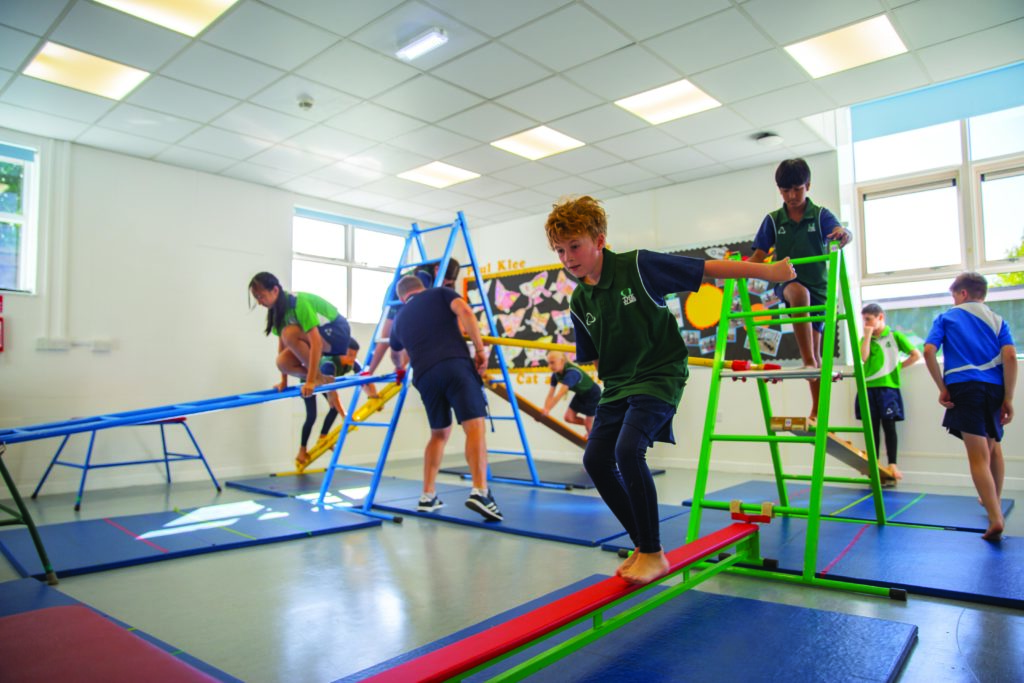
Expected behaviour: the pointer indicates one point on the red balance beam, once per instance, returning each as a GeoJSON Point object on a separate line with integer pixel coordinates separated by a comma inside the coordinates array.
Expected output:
{"type": "Point", "coordinates": [480, 648]}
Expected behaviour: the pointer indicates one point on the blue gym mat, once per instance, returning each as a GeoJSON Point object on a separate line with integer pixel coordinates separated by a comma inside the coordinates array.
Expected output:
{"type": "Point", "coordinates": [351, 486]}
{"type": "Point", "coordinates": [702, 636]}
{"type": "Point", "coordinates": [539, 513]}
{"type": "Point", "coordinates": [96, 545]}
{"type": "Point", "coordinates": [569, 475]}
{"type": "Point", "coordinates": [961, 513]}
{"type": "Point", "coordinates": [27, 595]}
{"type": "Point", "coordinates": [937, 562]}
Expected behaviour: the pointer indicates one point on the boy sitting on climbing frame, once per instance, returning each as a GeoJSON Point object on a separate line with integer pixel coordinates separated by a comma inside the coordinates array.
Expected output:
{"type": "Point", "coordinates": [623, 325]}
{"type": "Point", "coordinates": [567, 376]}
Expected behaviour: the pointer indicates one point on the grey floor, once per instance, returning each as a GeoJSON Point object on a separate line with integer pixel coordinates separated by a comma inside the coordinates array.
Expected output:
{"type": "Point", "coordinates": [317, 609]}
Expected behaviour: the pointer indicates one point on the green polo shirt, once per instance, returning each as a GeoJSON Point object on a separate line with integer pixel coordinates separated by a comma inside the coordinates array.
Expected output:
{"type": "Point", "coordinates": [798, 240]}
{"type": "Point", "coordinates": [307, 311]}
{"type": "Point", "coordinates": [623, 322]}
{"type": "Point", "coordinates": [882, 368]}
{"type": "Point", "coordinates": [582, 386]}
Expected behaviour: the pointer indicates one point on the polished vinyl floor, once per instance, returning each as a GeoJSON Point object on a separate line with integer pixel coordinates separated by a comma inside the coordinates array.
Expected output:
{"type": "Point", "coordinates": [317, 609]}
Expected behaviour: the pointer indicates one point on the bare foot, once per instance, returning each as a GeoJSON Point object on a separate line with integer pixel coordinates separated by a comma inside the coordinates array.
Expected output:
{"type": "Point", "coordinates": [646, 568]}
{"type": "Point", "coordinates": [896, 474]}
{"type": "Point", "coordinates": [302, 459]}
{"type": "Point", "coordinates": [628, 562]}
{"type": "Point", "coordinates": [995, 531]}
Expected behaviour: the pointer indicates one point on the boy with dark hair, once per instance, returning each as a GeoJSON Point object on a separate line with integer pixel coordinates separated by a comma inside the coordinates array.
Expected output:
{"type": "Point", "coordinates": [880, 350]}
{"type": "Point", "coordinates": [800, 229]}
{"type": "Point", "coordinates": [623, 325]}
{"type": "Point", "coordinates": [976, 392]}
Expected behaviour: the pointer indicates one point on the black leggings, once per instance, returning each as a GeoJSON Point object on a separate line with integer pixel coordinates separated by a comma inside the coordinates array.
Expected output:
{"type": "Point", "coordinates": [889, 427]}
{"type": "Point", "coordinates": [307, 426]}
{"type": "Point", "coordinates": [620, 473]}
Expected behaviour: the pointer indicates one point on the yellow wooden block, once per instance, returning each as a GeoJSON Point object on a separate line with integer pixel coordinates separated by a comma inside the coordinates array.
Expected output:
{"type": "Point", "coordinates": [786, 424]}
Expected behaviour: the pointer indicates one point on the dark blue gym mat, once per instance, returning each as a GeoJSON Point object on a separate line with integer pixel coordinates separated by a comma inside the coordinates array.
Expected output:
{"type": "Point", "coordinates": [905, 507]}
{"type": "Point", "coordinates": [569, 475]}
{"type": "Point", "coordinates": [702, 636]}
{"type": "Point", "coordinates": [27, 595]}
{"type": "Point", "coordinates": [351, 486]}
{"type": "Point", "coordinates": [98, 544]}
{"type": "Point", "coordinates": [539, 513]}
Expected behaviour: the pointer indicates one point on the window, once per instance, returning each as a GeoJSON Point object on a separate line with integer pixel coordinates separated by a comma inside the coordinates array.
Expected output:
{"type": "Point", "coordinates": [912, 151]}
{"type": "Point", "coordinates": [1002, 214]}
{"type": "Point", "coordinates": [350, 265]}
{"type": "Point", "coordinates": [17, 218]}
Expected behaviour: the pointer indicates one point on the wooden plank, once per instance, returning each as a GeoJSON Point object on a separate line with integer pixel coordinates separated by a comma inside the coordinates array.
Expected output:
{"type": "Point", "coordinates": [848, 454]}
{"type": "Point", "coordinates": [536, 413]}
{"type": "Point", "coordinates": [483, 647]}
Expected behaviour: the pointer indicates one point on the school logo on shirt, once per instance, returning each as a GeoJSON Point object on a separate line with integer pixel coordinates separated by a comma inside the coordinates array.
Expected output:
{"type": "Point", "coordinates": [627, 296]}
{"type": "Point", "coordinates": [590, 319]}
{"type": "Point", "coordinates": [781, 230]}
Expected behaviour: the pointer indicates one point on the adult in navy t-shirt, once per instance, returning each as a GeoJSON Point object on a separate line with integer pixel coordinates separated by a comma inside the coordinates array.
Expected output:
{"type": "Point", "coordinates": [426, 328]}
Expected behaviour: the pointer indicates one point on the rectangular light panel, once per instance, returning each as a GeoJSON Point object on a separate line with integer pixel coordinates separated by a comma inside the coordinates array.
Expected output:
{"type": "Point", "coordinates": [184, 16]}
{"type": "Point", "coordinates": [438, 174]}
{"type": "Point", "coordinates": [537, 143]}
{"type": "Point", "coordinates": [82, 71]}
{"type": "Point", "coordinates": [856, 45]}
{"type": "Point", "coordinates": [669, 102]}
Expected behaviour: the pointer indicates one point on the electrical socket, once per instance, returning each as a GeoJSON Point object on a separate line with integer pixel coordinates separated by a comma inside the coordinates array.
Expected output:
{"type": "Point", "coordinates": [53, 344]}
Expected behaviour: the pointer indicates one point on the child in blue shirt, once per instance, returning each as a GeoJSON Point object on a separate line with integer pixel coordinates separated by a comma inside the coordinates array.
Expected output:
{"type": "Point", "coordinates": [976, 387]}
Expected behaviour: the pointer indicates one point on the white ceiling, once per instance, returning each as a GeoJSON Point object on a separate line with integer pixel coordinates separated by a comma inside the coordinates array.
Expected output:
{"type": "Point", "coordinates": [227, 101]}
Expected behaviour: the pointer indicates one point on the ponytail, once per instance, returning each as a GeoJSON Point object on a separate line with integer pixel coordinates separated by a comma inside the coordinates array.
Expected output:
{"type": "Point", "coordinates": [275, 314]}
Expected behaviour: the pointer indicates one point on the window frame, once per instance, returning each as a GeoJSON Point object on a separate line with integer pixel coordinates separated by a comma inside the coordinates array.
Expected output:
{"type": "Point", "coordinates": [28, 245]}
{"type": "Point", "coordinates": [1008, 166]}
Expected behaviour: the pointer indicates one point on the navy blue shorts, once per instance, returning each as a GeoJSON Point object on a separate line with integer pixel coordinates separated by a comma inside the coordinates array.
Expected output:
{"type": "Point", "coordinates": [886, 403]}
{"type": "Point", "coordinates": [650, 415]}
{"type": "Point", "coordinates": [976, 410]}
{"type": "Point", "coordinates": [815, 301]}
{"type": "Point", "coordinates": [586, 404]}
{"type": "Point", "coordinates": [336, 335]}
{"type": "Point", "coordinates": [452, 384]}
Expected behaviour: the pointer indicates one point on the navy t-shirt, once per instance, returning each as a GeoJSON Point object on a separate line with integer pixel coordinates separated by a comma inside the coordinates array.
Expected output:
{"type": "Point", "coordinates": [428, 330]}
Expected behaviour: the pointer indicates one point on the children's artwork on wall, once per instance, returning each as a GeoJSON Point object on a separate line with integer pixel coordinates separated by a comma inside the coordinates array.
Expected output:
{"type": "Point", "coordinates": [699, 312]}
{"type": "Point", "coordinates": [529, 305]}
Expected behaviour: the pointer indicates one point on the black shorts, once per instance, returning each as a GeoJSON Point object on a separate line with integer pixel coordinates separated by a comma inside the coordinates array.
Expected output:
{"type": "Point", "coordinates": [815, 301]}
{"type": "Point", "coordinates": [976, 409]}
{"type": "Point", "coordinates": [336, 336]}
{"type": "Point", "coordinates": [452, 384]}
{"type": "Point", "coordinates": [586, 404]}
{"type": "Point", "coordinates": [885, 403]}
{"type": "Point", "coordinates": [650, 415]}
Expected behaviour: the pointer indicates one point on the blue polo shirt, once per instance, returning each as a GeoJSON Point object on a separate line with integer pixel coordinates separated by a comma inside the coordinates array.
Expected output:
{"type": "Point", "coordinates": [972, 337]}
{"type": "Point", "coordinates": [428, 329]}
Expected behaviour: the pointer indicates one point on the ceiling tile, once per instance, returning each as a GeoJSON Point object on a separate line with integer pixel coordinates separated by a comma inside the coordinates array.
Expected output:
{"type": "Point", "coordinates": [487, 122]}
{"type": "Point", "coordinates": [393, 30]}
{"type": "Point", "coordinates": [349, 175]}
{"type": "Point", "coordinates": [262, 175]}
{"type": "Point", "coordinates": [640, 143]}
{"type": "Point", "coordinates": [788, 22]}
{"type": "Point", "coordinates": [699, 173]}
{"type": "Point", "coordinates": [581, 160]}
{"type": "Point", "coordinates": [5, 76]}
{"type": "Point", "coordinates": [117, 36]}
{"type": "Point", "coordinates": [570, 185]}
{"type": "Point", "coordinates": [220, 71]}
{"type": "Point", "coordinates": [329, 142]}
{"type": "Point", "coordinates": [293, 160]}
{"type": "Point", "coordinates": [388, 160]}
{"type": "Point", "coordinates": [550, 99]}
{"type": "Point", "coordinates": [444, 199]}
{"type": "Point", "coordinates": [599, 123]}
{"type": "Point", "coordinates": [434, 142]}
{"type": "Point", "coordinates": [338, 16]}
{"type": "Point", "coordinates": [485, 209]}
{"type": "Point", "coordinates": [731, 148]}
{"type": "Point", "coordinates": [15, 48]}
{"type": "Point", "coordinates": [928, 22]}
{"type": "Point", "coordinates": [526, 200]}
{"type": "Point", "coordinates": [770, 158]}
{"type": "Point", "coordinates": [529, 174]}
{"type": "Point", "coordinates": [875, 80]}
{"type": "Point", "coordinates": [39, 123]}
{"type": "Point", "coordinates": [484, 159]}
{"type": "Point", "coordinates": [356, 69]}
{"type": "Point", "coordinates": [224, 143]}
{"type": "Point", "coordinates": [428, 98]}
{"type": "Point", "coordinates": [809, 148]}
{"type": "Point", "coordinates": [568, 37]}
{"type": "Point", "coordinates": [180, 99]}
{"type": "Point", "coordinates": [977, 52]}
{"type": "Point", "coordinates": [313, 187]}
{"type": "Point", "coordinates": [117, 141]}
{"type": "Point", "coordinates": [410, 210]}
{"type": "Point", "coordinates": [710, 42]}
{"type": "Point", "coordinates": [707, 125]}
{"type": "Point", "coordinates": [269, 36]}
{"type": "Point", "coordinates": [194, 159]}
{"type": "Point", "coordinates": [262, 123]}
{"type": "Point", "coordinates": [284, 96]}
{"type": "Point", "coordinates": [496, 17]}
{"type": "Point", "coordinates": [624, 72]}
{"type": "Point", "coordinates": [795, 133]}
{"type": "Point", "coordinates": [374, 122]}
{"type": "Point", "coordinates": [491, 70]}
{"type": "Point", "coordinates": [657, 16]}
{"type": "Point", "coordinates": [34, 16]}
{"type": "Point", "coordinates": [486, 187]}
{"type": "Point", "coordinates": [146, 123]}
{"type": "Point", "coordinates": [620, 174]}
{"type": "Point", "coordinates": [769, 70]}
{"type": "Point", "coordinates": [674, 161]}
{"type": "Point", "coordinates": [32, 93]}
{"type": "Point", "coordinates": [788, 103]}
{"type": "Point", "coordinates": [369, 200]}
{"type": "Point", "coordinates": [644, 185]}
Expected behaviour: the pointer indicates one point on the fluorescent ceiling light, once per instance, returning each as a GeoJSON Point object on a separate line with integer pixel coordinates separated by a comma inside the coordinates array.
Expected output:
{"type": "Point", "coordinates": [189, 17]}
{"type": "Point", "coordinates": [669, 102]}
{"type": "Point", "coordinates": [81, 71]}
{"type": "Point", "coordinates": [863, 43]}
{"type": "Point", "coordinates": [422, 44]}
{"type": "Point", "coordinates": [438, 174]}
{"type": "Point", "coordinates": [537, 143]}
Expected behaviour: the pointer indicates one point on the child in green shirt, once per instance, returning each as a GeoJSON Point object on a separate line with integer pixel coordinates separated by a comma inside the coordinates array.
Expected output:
{"type": "Point", "coordinates": [566, 376]}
